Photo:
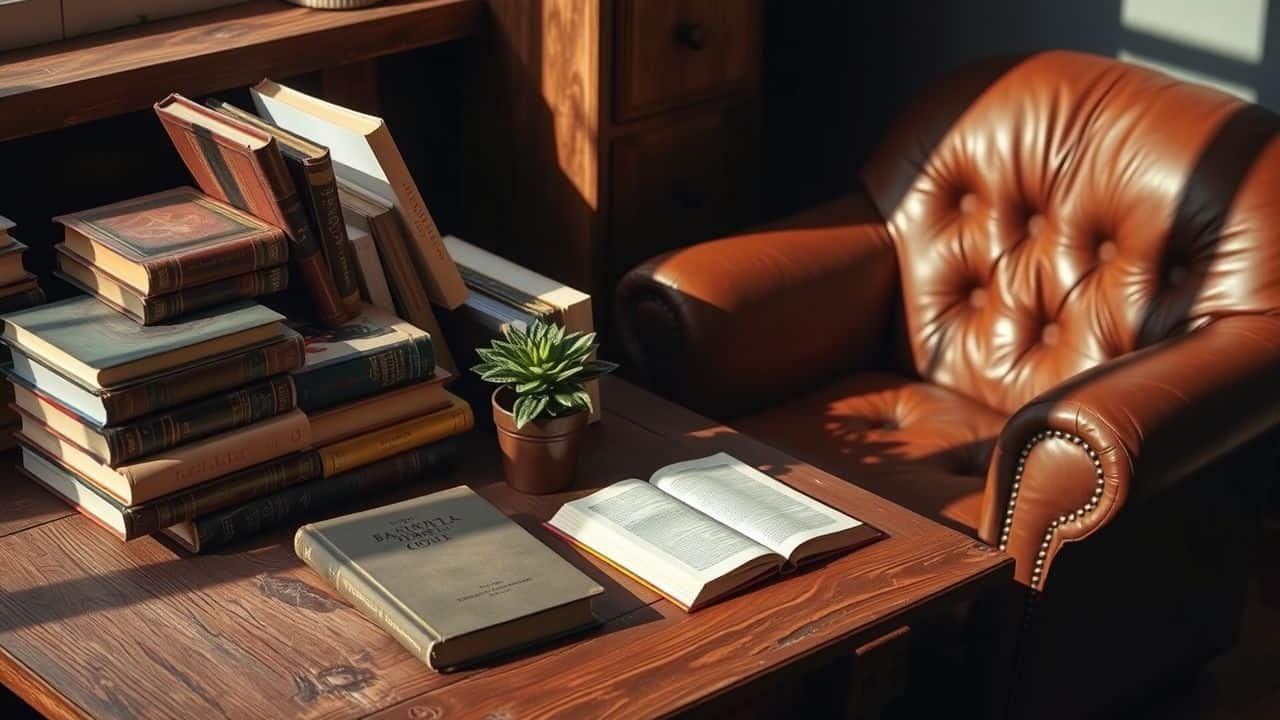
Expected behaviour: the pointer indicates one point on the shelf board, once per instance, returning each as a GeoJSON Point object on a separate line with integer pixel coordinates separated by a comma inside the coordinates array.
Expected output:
{"type": "Point", "coordinates": [96, 76]}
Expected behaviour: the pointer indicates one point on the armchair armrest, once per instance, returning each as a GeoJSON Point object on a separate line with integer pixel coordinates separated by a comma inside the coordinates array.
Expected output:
{"type": "Point", "coordinates": [1124, 432]}
{"type": "Point", "coordinates": [730, 325]}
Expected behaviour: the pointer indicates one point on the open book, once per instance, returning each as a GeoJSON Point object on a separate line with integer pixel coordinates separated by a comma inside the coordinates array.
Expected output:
{"type": "Point", "coordinates": [701, 529]}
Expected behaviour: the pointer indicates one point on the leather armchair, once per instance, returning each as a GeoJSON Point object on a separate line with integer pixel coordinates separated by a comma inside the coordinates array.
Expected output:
{"type": "Point", "coordinates": [1050, 316]}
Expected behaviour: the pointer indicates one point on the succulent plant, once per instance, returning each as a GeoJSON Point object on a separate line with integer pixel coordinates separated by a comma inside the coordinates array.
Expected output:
{"type": "Point", "coordinates": [545, 369]}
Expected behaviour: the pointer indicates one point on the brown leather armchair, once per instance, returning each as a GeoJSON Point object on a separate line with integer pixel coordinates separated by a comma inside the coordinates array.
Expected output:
{"type": "Point", "coordinates": [1051, 320]}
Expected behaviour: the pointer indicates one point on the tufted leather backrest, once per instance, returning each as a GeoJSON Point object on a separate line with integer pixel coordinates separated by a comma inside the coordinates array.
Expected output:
{"type": "Point", "coordinates": [1053, 212]}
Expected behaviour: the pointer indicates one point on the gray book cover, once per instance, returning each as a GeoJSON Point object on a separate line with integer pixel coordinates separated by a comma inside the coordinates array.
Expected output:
{"type": "Point", "coordinates": [446, 567]}
{"type": "Point", "coordinates": [101, 338]}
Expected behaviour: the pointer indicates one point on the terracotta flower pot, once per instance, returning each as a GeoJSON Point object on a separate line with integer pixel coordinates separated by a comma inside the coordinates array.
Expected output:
{"type": "Point", "coordinates": [542, 456]}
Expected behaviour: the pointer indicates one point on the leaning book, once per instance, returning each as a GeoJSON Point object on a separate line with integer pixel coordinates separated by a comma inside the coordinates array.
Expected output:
{"type": "Point", "coordinates": [704, 529]}
{"type": "Point", "coordinates": [450, 577]}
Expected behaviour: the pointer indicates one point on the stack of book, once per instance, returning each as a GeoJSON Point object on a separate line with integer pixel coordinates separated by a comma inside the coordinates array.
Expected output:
{"type": "Point", "coordinates": [18, 290]}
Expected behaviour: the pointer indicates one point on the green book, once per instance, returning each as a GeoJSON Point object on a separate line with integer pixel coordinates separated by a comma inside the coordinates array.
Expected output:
{"type": "Point", "coordinates": [450, 577]}
{"type": "Point", "coordinates": [100, 348]}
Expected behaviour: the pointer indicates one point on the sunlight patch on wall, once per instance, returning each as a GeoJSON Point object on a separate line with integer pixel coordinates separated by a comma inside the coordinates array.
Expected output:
{"type": "Point", "coordinates": [1242, 91]}
{"type": "Point", "coordinates": [1230, 28]}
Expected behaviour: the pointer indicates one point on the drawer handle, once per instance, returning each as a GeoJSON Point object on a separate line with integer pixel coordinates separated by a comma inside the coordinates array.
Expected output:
{"type": "Point", "coordinates": [691, 35]}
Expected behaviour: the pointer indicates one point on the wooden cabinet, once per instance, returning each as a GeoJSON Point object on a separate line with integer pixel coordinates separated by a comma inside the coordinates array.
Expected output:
{"type": "Point", "coordinates": [610, 131]}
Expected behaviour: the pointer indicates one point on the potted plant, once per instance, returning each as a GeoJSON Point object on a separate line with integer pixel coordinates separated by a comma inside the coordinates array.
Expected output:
{"type": "Point", "coordinates": [541, 406]}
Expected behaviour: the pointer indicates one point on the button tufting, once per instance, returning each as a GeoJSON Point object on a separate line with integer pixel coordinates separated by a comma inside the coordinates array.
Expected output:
{"type": "Point", "coordinates": [968, 203]}
{"type": "Point", "coordinates": [1107, 251]}
{"type": "Point", "coordinates": [977, 298]}
{"type": "Point", "coordinates": [1036, 224]}
{"type": "Point", "coordinates": [1049, 335]}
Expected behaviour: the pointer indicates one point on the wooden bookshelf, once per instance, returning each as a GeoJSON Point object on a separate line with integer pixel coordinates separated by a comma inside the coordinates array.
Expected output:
{"type": "Point", "coordinates": [65, 83]}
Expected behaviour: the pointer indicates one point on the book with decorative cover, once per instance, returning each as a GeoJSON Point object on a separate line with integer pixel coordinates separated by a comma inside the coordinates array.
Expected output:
{"type": "Point", "coordinates": [376, 351]}
{"type": "Point", "coordinates": [241, 165]}
{"type": "Point", "coordinates": [150, 434]}
{"type": "Point", "coordinates": [450, 577]}
{"type": "Point", "coordinates": [157, 309]}
{"type": "Point", "coordinates": [170, 240]}
{"type": "Point", "coordinates": [299, 501]}
{"type": "Point", "coordinates": [100, 348]}
{"type": "Point", "coordinates": [312, 172]}
{"type": "Point", "coordinates": [152, 393]}
{"type": "Point", "coordinates": [704, 529]}
{"type": "Point", "coordinates": [129, 522]}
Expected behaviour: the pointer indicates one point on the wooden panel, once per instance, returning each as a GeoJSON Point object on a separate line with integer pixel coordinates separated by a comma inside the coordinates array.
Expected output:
{"type": "Point", "coordinates": [96, 76]}
{"type": "Point", "coordinates": [681, 182]}
{"type": "Point", "coordinates": [675, 52]}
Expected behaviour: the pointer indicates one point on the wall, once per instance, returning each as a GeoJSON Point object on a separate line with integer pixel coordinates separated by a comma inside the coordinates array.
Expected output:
{"type": "Point", "coordinates": [839, 72]}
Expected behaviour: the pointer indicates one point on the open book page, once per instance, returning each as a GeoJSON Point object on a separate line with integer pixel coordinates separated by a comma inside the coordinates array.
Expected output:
{"type": "Point", "coordinates": [666, 543]}
{"type": "Point", "coordinates": [754, 504]}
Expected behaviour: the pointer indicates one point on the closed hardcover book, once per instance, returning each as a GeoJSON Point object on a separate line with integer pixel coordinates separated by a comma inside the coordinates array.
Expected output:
{"type": "Point", "coordinates": [376, 217]}
{"type": "Point", "coordinates": [12, 270]}
{"type": "Point", "coordinates": [171, 240]}
{"type": "Point", "coordinates": [375, 352]}
{"type": "Point", "coordinates": [216, 529]}
{"type": "Point", "coordinates": [130, 522]}
{"type": "Point", "coordinates": [373, 279]}
{"type": "Point", "coordinates": [364, 153]}
{"type": "Point", "coordinates": [100, 348]}
{"type": "Point", "coordinates": [179, 468]}
{"type": "Point", "coordinates": [312, 171]}
{"type": "Point", "coordinates": [450, 577]}
{"type": "Point", "coordinates": [26, 297]}
{"type": "Point", "coordinates": [241, 165]}
{"type": "Point", "coordinates": [397, 438]}
{"type": "Point", "coordinates": [121, 404]}
{"type": "Point", "coordinates": [150, 434]}
{"type": "Point", "coordinates": [159, 308]}
{"type": "Point", "coordinates": [379, 411]}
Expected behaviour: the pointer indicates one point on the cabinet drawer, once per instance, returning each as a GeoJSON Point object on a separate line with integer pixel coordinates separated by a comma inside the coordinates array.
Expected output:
{"type": "Point", "coordinates": [685, 181]}
{"type": "Point", "coordinates": [670, 53]}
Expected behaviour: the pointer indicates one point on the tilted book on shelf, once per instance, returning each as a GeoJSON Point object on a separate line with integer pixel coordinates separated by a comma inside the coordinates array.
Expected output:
{"type": "Point", "coordinates": [450, 577]}
{"type": "Point", "coordinates": [703, 529]}
{"type": "Point", "coordinates": [373, 278]}
{"type": "Point", "coordinates": [242, 166]}
{"type": "Point", "coordinates": [365, 154]}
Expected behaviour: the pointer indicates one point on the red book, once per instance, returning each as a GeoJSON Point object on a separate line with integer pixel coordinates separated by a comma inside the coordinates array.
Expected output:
{"type": "Point", "coordinates": [241, 165]}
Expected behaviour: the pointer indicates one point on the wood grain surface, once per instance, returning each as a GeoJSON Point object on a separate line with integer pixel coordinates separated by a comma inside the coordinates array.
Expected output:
{"type": "Point", "coordinates": [100, 75]}
{"type": "Point", "coordinates": [93, 627]}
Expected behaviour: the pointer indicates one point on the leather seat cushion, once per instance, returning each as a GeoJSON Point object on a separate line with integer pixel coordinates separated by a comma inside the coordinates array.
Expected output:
{"type": "Point", "coordinates": [919, 445]}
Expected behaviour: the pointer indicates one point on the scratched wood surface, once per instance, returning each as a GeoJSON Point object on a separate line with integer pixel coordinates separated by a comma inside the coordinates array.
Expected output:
{"type": "Point", "coordinates": [91, 627]}
{"type": "Point", "coordinates": [105, 74]}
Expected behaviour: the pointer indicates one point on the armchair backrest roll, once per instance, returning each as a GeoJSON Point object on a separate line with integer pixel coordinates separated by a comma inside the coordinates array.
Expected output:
{"type": "Point", "coordinates": [1053, 212]}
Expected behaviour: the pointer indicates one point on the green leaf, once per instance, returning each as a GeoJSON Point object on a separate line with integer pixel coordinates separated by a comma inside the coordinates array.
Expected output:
{"type": "Point", "coordinates": [527, 407]}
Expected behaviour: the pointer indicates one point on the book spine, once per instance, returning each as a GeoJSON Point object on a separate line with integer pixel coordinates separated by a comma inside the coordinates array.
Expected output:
{"type": "Point", "coordinates": [248, 285]}
{"type": "Point", "coordinates": [306, 250]}
{"type": "Point", "coordinates": [22, 300]}
{"type": "Point", "coordinates": [326, 212]}
{"type": "Point", "coordinates": [188, 385]}
{"type": "Point", "coordinates": [200, 419]}
{"type": "Point", "coordinates": [250, 518]}
{"type": "Point", "coordinates": [200, 267]}
{"type": "Point", "coordinates": [236, 488]}
{"type": "Point", "coordinates": [366, 375]}
{"type": "Point", "coordinates": [373, 446]}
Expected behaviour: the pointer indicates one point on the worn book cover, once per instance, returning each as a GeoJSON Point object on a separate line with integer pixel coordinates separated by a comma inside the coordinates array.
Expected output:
{"type": "Point", "coordinates": [170, 240]}
{"type": "Point", "coordinates": [102, 348]}
{"type": "Point", "coordinates": [381, 410]}
{"type": "Point", "coordinates": [163, 430]}
{"type": "Point", "coordinates": [159, 308]}
{"type": "Point", "coordinates": [375, 352]}
{"type": "Point", "coordinates": [130, 522]}
{"type": "Point", "coordinates": [241, 165]}
{"type": "Point", "coordinates": [449, 576]}
{"type": "Point", "coordinates": [312, 171]}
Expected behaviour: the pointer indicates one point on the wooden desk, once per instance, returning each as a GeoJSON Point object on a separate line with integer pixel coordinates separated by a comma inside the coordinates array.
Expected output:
{"type": "Point", "coordinates": [92, 627]}
{"type": "Point", "coordinates": [96, 76]}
